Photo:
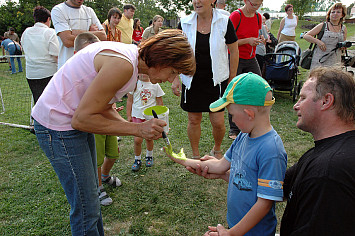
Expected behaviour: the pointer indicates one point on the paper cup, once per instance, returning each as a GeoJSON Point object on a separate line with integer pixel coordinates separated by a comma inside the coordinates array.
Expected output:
{"type": "Point", "coordinates": [162, 112]}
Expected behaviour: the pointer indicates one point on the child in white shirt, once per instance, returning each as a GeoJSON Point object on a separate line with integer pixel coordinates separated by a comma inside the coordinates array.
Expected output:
{"type": "Point", "coordinates": [145, 95]}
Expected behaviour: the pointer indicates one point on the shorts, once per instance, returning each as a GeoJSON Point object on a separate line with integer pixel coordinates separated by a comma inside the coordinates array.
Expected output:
{"type": "Point", "coordinates": [137, 120]}
{"type": "Point", "coordinates": [106, 146]}
{"type": "Point", "coordinates": [286, 38]}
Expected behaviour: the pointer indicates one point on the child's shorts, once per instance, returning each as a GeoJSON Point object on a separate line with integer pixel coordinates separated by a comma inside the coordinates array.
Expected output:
{"type": "Point", "coordinates": [137, 120]}
{"type": "Point", "coordinates": [106, 145]}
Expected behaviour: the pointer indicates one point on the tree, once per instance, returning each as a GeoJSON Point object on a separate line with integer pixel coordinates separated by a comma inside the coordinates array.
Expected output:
{"type": "Point", "coordinates": [20, 14]}
{"type": "Point", "coordinates": [324, 5]}
{"type": "Point", "coordinates": [300, 7]}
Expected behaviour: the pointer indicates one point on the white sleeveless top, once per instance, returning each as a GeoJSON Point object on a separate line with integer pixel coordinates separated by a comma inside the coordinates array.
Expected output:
{"type": "Point", "coordinates": [290, 26]}
{"type": "Point", "coordinates": [58, 102]}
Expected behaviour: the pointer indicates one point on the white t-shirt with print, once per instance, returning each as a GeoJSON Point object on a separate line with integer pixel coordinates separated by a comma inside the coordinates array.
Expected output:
{"type": "Point", "coordinates": [144, 96]}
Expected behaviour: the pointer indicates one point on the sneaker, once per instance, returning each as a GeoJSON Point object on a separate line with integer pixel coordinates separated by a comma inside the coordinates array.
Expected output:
{"type": "Point", "coordinates": [136, 165]}
{"type": "Point", "coordinates": [149, 161]}
{"type": "Point", "coordinates": [111, 180]}
{"type": "Point", "coordinates": [105, 200]}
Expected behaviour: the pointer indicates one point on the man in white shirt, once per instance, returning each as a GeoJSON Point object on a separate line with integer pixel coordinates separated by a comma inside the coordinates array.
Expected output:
{"type": "Point", "coordinates": [220, 5]}
{"type": "Point", "coordinates": [71, 18]}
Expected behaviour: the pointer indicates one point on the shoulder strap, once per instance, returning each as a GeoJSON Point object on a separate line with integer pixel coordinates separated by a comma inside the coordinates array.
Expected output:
{"type": "Point", "coordinates": [257, 16]}
{"type": "Point", "coordinates": [319, 35]}
{"type": "Point", "coordinates": [240, 20]}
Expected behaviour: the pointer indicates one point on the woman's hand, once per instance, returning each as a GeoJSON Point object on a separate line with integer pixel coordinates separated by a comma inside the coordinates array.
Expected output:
{"type": "Point", "coordinates": [176, 86]}
{"type": "Point", "coordinates": [118, 109]}
{"type": "Point", "coordinates": [151, 129]}
{"type": "Point", "coordinates": [321, 45]}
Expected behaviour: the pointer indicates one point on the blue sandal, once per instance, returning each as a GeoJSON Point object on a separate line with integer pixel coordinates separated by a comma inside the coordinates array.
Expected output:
{"type": "Point", "coordinates": [136, 165]}
{"type": "Point", "coordinates": [149, 161]}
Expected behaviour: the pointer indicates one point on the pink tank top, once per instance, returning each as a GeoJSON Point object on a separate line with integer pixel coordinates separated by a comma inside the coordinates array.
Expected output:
{"type": "Point", "coordinates": [58, 102]}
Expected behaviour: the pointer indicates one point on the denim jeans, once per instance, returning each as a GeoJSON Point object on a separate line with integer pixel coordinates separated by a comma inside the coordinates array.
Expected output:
{"type": "Point", "coordinates": [73, 156]}
{"type": "Point", "coordinates": [12, 60]}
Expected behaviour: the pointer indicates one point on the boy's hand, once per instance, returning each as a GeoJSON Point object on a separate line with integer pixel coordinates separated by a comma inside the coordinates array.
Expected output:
{"type": "Point", "coordinates": [204, 172]}
{"type": "Point", "coordinates": [217, 231]}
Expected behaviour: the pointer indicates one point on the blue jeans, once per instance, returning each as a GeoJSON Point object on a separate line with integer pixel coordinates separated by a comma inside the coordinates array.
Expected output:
{"type": "Point", "coordinates": [73, 156]}
{"type": "Point", "coordinates": [12, 59]}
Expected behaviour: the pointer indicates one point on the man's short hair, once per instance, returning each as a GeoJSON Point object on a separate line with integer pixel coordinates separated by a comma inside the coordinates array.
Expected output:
{"type": "Point", "coordinates": [129, 6]}
{"type": "Point", "coordinates": [12, 29]}
{"type": "Point", "coordinates": [41, 14]}
{"type": "Point", "coordinates": [84, 39]}
{"type": "Point", "coordinates": [113, 11]}
{"type": "Point", "coordinates": [339, 83]}
{"type": "Point", "coordinates": [221, 2]}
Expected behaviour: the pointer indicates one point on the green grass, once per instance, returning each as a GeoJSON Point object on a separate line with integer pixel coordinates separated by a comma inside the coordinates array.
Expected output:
{"type": "Point", "coordinates": [162, 200]}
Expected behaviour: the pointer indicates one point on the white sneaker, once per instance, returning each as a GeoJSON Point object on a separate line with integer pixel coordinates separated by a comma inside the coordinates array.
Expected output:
{"type": "Point", "coordinates": [105, 200]}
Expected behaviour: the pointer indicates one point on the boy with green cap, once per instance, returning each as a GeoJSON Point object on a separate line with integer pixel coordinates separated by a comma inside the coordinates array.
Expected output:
{"type": "Point", "coordinates": [254, 165]}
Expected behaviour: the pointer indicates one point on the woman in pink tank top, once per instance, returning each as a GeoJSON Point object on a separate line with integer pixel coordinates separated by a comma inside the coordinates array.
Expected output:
{"type": "Point", "coordinates": [78, 102]}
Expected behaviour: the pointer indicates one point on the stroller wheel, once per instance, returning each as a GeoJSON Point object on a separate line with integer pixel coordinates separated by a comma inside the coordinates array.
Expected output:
{"type": "Point", "coordinates": [300, 84]}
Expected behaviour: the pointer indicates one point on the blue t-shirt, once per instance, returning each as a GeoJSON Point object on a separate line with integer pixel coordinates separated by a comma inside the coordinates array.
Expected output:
{"type": "Point", "coordinates": [258, 167]}
{"type": "Point", "coordinates": [6, 43]}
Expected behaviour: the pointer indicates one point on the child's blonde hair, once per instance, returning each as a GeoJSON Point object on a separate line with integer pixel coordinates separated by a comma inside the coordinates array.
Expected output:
{"type": "Point", "coordinates": [84, 39]}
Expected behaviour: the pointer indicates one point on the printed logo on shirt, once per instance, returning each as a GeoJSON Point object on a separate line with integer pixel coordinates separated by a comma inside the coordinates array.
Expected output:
{"type": "Point", "coordinates": [275, 184]}
{"type": "Point", "coordinates": [241, 183]}
{"type": "Point", "coordinates": [145, 96]}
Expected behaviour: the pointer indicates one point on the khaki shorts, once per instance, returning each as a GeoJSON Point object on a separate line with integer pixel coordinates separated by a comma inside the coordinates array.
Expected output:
{"type": "Point", "coordinates": [286, 38]}
{"type": "Point", "coordinates": [106, 146]}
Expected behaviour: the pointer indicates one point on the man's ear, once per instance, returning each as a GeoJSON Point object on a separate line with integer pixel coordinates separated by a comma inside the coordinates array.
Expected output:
{"type": "Point", "coordinates": [250, 113]}
{"type": "Point", "coordinates": [327, 101]}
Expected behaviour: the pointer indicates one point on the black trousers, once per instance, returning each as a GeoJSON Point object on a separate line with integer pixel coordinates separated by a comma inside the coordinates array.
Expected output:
{"type": "Point", "coordinates": [37, 86]}
{"type": "Point", "coordinates": [245, 66]}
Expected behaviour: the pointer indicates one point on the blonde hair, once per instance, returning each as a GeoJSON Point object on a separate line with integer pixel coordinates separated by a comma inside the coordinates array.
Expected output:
{"type": "Point", "coordinates": [337, 5]}
{"type": "Point", "coordinates": [157, 17]}
{"type": "Point", "coordinates": [84, 39]}
{"type": "Point", "coordinates": [169, 48]}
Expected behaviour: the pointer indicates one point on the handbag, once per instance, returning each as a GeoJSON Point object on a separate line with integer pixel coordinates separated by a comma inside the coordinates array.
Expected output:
{"type": "Point", "coordinates": [306, 56]}
{"type": "Point", "coordinates": [18, 49]}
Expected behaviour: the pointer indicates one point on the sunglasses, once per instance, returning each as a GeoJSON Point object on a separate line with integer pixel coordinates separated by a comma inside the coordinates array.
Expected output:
{"type": "Point", "coordinates": [255, 5]}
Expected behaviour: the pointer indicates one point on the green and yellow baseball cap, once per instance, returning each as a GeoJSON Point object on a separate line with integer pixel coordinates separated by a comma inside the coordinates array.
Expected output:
{"type": "Point", "coordinates": [245, 89]}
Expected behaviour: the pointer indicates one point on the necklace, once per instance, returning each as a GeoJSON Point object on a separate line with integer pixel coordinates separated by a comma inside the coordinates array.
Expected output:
{"type": "Point", "coordinates": [333, 24]}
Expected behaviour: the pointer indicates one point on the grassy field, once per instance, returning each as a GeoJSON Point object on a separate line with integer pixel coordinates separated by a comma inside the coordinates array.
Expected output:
{"type": "Point", "coordinates": [162, 200]}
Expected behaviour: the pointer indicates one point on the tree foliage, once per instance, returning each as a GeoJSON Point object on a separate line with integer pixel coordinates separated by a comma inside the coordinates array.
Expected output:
{"type": "Point", "coordinates": [19, 14]}
{"type": "Point", "coordinates": [301, 7]}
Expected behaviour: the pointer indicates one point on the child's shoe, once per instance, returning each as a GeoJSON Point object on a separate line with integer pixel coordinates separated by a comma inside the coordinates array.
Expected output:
{"type": "Point", "coordinates": [111, 180]}
{"type": "Point", "coordinates": [105, 200]}
{"type": "Point", "coordinates": [136, 165]}
{"type": "Point", "coordinates": [149, 161]}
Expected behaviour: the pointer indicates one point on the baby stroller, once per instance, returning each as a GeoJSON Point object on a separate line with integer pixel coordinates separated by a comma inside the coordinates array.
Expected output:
{"type": "Point", "coordinates": [281, 68]}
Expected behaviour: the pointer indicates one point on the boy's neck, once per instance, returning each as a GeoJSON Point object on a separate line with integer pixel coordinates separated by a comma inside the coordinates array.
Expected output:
{"type": "Point", "coordinates": [260, 129]}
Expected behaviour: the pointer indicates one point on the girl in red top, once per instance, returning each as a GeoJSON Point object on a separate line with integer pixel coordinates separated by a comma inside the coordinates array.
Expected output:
{"type": "Point", "coordinates": [137, 31]}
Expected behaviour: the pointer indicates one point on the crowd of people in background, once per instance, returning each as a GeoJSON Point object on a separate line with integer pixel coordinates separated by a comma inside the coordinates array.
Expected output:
{"type": "Point", "coordinates": [214, 60]}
